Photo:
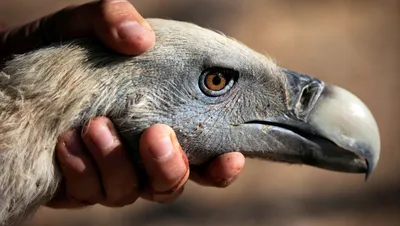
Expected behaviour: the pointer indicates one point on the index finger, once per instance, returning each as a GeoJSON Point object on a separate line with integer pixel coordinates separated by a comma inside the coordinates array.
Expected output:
{"type": "Point", "coordinates": [165, 163]}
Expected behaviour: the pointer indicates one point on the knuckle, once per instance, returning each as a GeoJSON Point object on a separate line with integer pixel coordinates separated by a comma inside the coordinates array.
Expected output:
{"type": "Point", "coordinates": [85, 194]}
{"type": "Point", "coordinates": [122, 195]}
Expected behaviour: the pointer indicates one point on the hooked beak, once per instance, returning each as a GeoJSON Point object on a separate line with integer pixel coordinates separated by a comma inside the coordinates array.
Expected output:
{"type": "Point", "coordinates": [342, 118]}
{"type": "Point", "coordinates": [340, 132]}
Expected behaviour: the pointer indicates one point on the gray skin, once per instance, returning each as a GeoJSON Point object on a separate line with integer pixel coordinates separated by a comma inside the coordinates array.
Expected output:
{"type": "Point", "coordinates": [264, 111]}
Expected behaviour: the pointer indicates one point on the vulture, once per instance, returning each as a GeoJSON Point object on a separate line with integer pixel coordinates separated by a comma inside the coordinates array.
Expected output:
{"type": "Point", "coordinates": [216, 93]}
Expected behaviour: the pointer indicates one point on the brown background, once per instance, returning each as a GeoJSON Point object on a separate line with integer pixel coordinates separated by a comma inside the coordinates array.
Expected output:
{"type": "Point", "coordinates": [354, 44]}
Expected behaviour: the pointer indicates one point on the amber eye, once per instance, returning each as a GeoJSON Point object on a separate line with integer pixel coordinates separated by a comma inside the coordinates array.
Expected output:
{"type": "Point", "coordinates": [217, 81]}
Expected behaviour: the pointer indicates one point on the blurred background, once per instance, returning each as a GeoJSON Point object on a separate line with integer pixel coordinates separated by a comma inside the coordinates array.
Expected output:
{"type": "Point", "coordinates": [352, 43]}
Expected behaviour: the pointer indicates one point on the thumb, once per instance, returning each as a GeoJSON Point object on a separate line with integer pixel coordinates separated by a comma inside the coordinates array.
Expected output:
{"type": "Point", "coordinates": [122, 28]}
{"type": "Point", "coordinates": [116, 22]}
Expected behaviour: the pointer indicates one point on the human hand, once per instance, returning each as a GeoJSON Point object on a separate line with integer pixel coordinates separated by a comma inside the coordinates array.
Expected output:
{"type": "Point", "coordinates": [93, 162]}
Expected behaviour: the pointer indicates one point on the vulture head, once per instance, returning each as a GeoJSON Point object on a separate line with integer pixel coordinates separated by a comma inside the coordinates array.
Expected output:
{"type": "Point", "coordinates": [221, 96]}
{"type": "Point", "coordinates": [216, 93]}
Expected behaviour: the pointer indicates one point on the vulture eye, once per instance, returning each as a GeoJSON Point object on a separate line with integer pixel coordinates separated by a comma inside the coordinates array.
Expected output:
{"type": "Point", "coordinates": [217, 81]}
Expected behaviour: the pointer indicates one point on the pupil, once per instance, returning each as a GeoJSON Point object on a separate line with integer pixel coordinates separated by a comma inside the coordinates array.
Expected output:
{"type": "Point", "coordinates": [216, 80]}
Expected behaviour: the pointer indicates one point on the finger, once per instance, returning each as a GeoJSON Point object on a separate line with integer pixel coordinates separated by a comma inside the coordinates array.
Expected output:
{"type": "Point", "coordinates": [115, 22]}
{"type": "Point", "coordinates": [165, 163]}
{"type": "Point", "coordinates": [82, 185]}
{"type": "Point", "coordinates": [221, 172]}
{"type": "Point", "coordinates": [117, 173]}
{"type": "Point", "coordinates": [124, 29]}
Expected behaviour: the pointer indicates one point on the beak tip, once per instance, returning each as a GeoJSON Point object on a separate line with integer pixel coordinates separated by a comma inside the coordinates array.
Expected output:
{"type": "Point", "coordinates": [371, 165]}
{"type": "Point", "coordinates": [367, 175]}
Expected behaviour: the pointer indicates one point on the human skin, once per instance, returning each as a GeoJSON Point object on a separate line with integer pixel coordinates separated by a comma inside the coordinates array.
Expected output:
{"type": "Point", "coordinates": [89, 176]}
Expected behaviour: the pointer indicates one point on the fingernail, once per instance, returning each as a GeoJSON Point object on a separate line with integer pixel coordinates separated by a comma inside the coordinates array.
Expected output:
{"type": "Point", "coordinates": [103, 139]}
{"type": "Point", "coordinates": [132, 30]}
{"type": "Point", "coordinates": [161, 149]}
{"type": "Point", "coordinates": [225, 182]}
{"type": "Point", "coordinates": [72, 143]}
{"type": "Point", "coordinates": [69, 156]}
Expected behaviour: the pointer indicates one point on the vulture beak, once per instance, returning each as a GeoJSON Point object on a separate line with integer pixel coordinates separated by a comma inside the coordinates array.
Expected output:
{"type": "Point", "coordinates": [333, 119]}
{"type": "Point", "coordinates": [342, 118]}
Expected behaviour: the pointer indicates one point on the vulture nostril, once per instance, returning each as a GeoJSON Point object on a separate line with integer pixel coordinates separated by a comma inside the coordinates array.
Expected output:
{"type": "Point", "coordinates": [306, 96]}
{"type": "Point", "coordinates": [307, 99]}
